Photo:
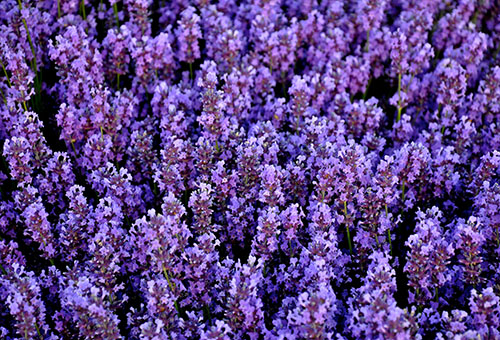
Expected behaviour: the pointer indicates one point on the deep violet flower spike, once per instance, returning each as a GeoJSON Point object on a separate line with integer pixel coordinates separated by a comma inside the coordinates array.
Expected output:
{"type": "Point", "coordinates": [24, 300]}
{"type": "Point", "coordinates": [188, 34]}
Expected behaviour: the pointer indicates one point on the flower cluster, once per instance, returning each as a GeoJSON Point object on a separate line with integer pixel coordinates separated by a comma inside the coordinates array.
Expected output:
{"type": "Point", "coordinates": [252, 169]}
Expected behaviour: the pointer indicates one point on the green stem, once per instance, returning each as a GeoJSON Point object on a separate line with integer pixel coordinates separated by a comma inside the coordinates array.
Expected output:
{"type": "Point", "coordinates": [285, 94]}
{"type": "Point", "coordinates": [403, 192]}
{"type": "Point", "coordinates": [495, 54]}
{"type": "Point", "coordinates": [436, 294]}
{"type": "Point", "coordinates": [445, 116]}
{"type": "Point", "coordinates": [118, 81]}
{"type": "Point", "coordinates": [398, 118]}
{"type": "Point", "coordinates": [390, 241]}
{"type": "Point", "coordinates": [6, 74]}
{"type": "Point", "coordinates": [58, 9]}
{"type": "Point", "coordinates": [367, 44]}
{"type": "Point", "coordinates": [127, 221]}
{"type": "Point", "coordinates": [29, 37]}
{"type": "Point", "coordinates": [207, 311]}
{"type": "Point", "coordinates": [170, 285]}
{"type": "Point", "coordinates": [191, 71]}
{"type": "Point", "coordinates": [82, 6]}
{"type": "Point", "coordinates": [389, 238]}
{"type": "Point", "coordinates": [3, 96]}
{"type": "Point", "coordinates": [217, 146]}
{"type": "Point", "coordinates": [34, 65]}
{"type": "Point", "coordinates": [367, 88]}
{"type": "Point", "coordinates": [38, 331]}
{"type": "Point", "coordinates": [73, 146]}
{"type": "Point", "coordinates": [155, 188]}
{"type": "Point", "coordinates": [498, 238]}
{"type": "Point", "coordinates": [349, 239]}
{"type": "Point", "coordinates": [115, 10]}
{"type": "Point", "coordinates": [347, 229]}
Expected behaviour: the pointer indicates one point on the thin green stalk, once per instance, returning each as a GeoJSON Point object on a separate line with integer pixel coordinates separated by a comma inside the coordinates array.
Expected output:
{"type": "Point", "coordinates": [495, 54]}
{"type": "Point", "coordinates": [388, 230]}
{"type": "Point", "coordinates": [38, 331]}
{"type": "Point", "coordinates": [6, 74]}
{"type": "Point", "coordinates": [165, 273]}
{"type": "Point", "coordinates": [29, 38]}
{"type": "Point", "coordinates": [367, 88]}
{"type": "Point", "coordinates": [285, 94]}
{"type": "Point", "coordinates": [115, 10]}
{"type": "Point", "coordinates": [58, 9]}
{"type": "Point", "coordinates": [217, 146]}
{"type": "Point", "coordinates": [498, 238]}
{"type": "Point", "coordinates": [127, 221]}
{"type": "Point", "coordinates": [82, 6]}
{"type": "Point", "coordinates": [50, 260]}
{"type": "Point", "coordinates": [3, 96]}
{"type": "Point", "coordinates": [347, 229]}
{"type": "Point", "coordinates": [398, 118]}
{"type": "Point", "coordinates": [436, 294]}
{"type": "Point", "coordinates": [73, 146]}
{"type": "Point", "coordinates": [170, 285]}
{"type": "Point", "coordinates": [207, 311]}
{"type": "Point", "coordinates": [417, 293]}
{"type": "Point", "coordinates": [367, 44]}
{"type": "Point", "coordinates": [403, 191]}
{"type": "Point", "coordinates": [118, 81]}
{"type": "Point", "coordinates": [445, 116]}
{"type": "Point", "coordinates": [191, 71]}
{"type": "Point", "coordinates": [34, 65]}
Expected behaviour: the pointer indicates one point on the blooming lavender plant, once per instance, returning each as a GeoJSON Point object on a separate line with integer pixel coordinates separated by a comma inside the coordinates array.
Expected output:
{"type": "Point", "coordinates": [255, 169]}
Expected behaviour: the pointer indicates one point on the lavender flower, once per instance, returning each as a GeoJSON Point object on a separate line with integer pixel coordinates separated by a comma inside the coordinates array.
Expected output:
{"type": "Point", "coordinates": [23, 298]}
{"type": "Point", "coordinates": [189, 33]}
{"type": "Point", "coordinates": [469, 242]}
{"type": "Point", "coordinates": [428, 257]}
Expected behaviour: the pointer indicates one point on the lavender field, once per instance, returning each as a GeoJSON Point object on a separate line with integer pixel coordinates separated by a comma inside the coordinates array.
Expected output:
{"type": "Point", "coordinates": [254, 169]}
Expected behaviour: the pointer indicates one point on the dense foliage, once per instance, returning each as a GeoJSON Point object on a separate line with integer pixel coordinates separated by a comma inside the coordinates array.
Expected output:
{"type": "Point", "coordinates": [255, 169]}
